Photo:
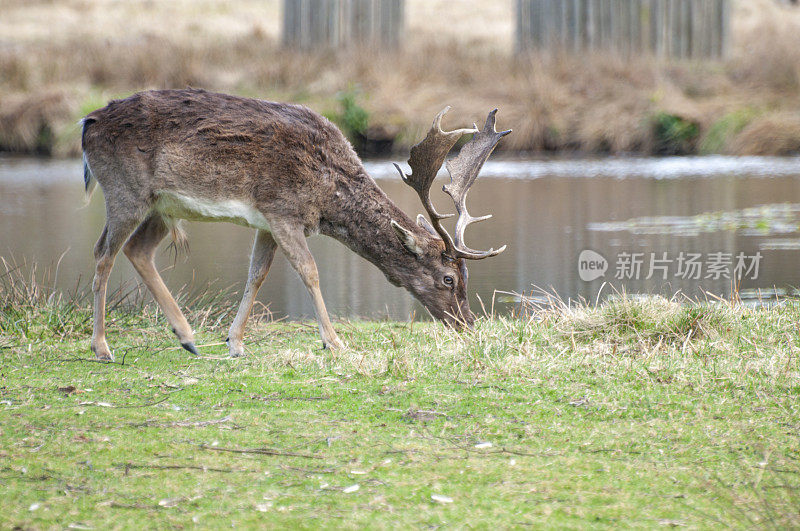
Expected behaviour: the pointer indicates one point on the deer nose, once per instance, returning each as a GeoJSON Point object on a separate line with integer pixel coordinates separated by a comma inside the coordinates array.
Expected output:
{"type": "Point", "coordinates": [469, 320]}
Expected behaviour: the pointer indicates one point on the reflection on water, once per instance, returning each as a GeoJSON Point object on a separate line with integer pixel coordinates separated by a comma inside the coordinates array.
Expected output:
{"type": "Point", "coordinates": [775, 219]}
{"type": "Point", "coordinates": [547, 212]}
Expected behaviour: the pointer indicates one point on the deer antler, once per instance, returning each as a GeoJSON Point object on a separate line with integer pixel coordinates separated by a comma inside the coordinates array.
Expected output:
{"type": "Point", "coordinates": [426, 159]}
{"type": "Point", "coordinates": [463, 170]}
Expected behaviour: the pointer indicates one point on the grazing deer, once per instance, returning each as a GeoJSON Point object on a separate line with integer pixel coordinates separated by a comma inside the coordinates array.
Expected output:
{"type": "Point", "coordinates": [285, 171]}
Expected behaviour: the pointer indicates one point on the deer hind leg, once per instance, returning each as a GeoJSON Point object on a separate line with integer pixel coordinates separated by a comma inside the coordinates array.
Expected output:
{"type": "Point", "coordinates": [113, 236]}
{"type": "Point", "coordinates": [140, 250]}
{"type": "Point", "coordinates": [264, 247]}
{"type": "Point", "coordinates": [292, 242]}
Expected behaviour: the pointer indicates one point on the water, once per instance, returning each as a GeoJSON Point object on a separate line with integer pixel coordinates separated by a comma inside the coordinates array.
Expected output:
{"type": "Point", "coordinates": [547, 211]}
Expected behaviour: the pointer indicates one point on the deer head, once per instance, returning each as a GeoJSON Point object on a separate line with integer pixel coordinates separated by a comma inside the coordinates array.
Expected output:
{"type": "Point", "coordinates": [444, 290]}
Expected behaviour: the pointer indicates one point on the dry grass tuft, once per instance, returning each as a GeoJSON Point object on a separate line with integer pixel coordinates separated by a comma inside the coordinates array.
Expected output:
{"type": "Point", "coordinates": [767, 52]}
{"type": "Point", "coordinates": [777, 133]}
{"type": "Point", "coordinates": [30, 122]}
{"type": "Point", "coordinates": [31, 309]}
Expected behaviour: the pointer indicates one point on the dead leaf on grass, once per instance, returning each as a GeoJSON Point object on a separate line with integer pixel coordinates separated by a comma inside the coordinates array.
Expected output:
{"type": "Point", "coordinates": [71, 390]}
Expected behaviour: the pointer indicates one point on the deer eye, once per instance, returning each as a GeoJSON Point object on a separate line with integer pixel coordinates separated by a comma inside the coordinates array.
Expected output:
{"type": "Point", "coordinates": [448, 280]}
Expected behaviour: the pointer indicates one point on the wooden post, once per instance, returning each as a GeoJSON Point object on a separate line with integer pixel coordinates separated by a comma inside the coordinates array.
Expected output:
{"type": "Point", "coordinates": [724, 25]}
{"type": "Point", "coordinates": [664, 28]}
{"type": "Point", "coordinates": [311, 24]}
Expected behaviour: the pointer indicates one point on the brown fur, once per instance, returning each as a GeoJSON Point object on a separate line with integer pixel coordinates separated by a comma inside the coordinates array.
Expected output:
{"type": "Point", "coordinates": [291, 164]}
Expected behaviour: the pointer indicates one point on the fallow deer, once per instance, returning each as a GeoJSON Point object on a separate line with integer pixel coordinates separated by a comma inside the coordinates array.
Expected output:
{"type": "Point", "coordinates": [284, 170]}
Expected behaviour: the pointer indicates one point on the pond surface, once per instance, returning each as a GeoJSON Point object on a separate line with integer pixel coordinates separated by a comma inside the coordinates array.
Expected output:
{"type": "Point", "coordinates": [692, 225]}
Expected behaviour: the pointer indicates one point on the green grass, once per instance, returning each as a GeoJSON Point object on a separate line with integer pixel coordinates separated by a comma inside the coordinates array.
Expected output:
{"type": "Point", "coordinates": [719, 136]}
{"type": "Point", "coordinates": [639, 413]}
{"type": "Point", "coordinates": [674, 135]}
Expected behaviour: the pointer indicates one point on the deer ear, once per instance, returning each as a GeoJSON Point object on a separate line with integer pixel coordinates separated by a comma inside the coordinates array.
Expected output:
{"type": "Point", "coordinates": [422, 222]}
{"type": "Point", "coordinates": [408, 239]}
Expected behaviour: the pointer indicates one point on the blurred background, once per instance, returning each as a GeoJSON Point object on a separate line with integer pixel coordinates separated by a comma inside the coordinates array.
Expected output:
{"type": "Point", "coordinates": [645, 126]}
{"type": "Point", "coordinates": [595, 76]}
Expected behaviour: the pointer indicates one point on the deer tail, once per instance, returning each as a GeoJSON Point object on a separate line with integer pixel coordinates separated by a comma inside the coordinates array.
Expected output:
{"type": "Point", "coordinates": [89, 182]}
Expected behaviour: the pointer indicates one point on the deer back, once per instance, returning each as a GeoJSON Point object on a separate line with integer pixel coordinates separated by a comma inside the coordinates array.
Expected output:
{"type": "Point", "coordinates": [280, 158]}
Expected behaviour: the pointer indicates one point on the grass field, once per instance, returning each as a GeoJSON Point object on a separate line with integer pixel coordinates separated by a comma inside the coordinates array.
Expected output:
{"type": "Point", "coordinates": [639, 413]}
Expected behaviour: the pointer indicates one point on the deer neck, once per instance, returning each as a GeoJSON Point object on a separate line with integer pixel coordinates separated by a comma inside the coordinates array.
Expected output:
{"type": "Point", "coordinates": [360, 217]}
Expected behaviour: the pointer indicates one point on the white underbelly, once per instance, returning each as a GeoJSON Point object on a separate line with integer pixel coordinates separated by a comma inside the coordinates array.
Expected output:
{"type": "Point", "coordinates": [199, 209]}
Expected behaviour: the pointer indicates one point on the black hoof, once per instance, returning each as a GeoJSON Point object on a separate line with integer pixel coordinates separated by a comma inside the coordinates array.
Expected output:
{"type": "Point", "coordinates": [191, 348]}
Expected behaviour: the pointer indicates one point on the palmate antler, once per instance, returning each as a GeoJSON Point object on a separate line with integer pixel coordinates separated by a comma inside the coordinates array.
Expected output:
{"type": "Point", "coordinates": [426, 159]}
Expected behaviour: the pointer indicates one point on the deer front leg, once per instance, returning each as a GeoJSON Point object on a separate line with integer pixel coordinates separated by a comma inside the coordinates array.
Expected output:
{"type": "Point", "coordinates": [260, 260]}
{"type": "Point", "coordinates": [292, 241]}
{"type": "Point", "coordinates": [141, 250]}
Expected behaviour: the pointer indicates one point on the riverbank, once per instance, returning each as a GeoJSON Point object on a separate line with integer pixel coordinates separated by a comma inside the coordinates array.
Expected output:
{"type": "Point", "coordinates": [597, 103]}
{"type": "Point", "coordinates": [636, 413]}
